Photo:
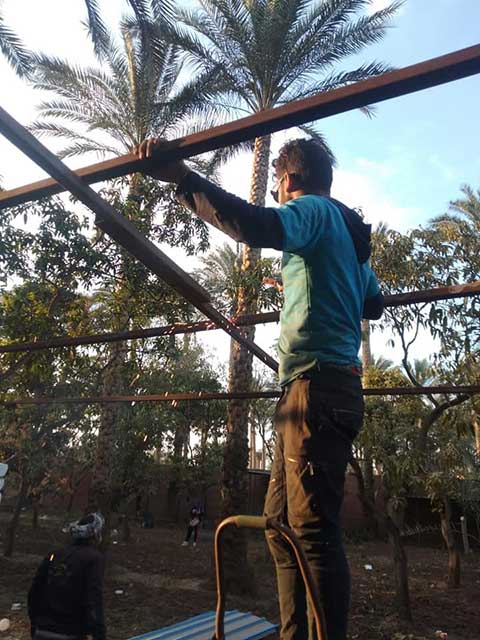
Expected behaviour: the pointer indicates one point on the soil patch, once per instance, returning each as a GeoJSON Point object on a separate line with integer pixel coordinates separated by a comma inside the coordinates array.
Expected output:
{"type": "Point", "coordinates": [163, 583]}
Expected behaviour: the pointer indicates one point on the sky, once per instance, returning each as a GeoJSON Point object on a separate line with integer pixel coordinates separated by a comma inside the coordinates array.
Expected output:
{"type": "Point", "coordinates": [401, 167]}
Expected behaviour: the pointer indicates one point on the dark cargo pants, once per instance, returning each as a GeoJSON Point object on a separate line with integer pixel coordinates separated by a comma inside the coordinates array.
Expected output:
{"type": "Point", "coordinates": [317, 419]}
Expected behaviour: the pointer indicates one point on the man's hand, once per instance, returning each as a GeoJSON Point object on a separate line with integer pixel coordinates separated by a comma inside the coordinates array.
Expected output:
{"type": "Point", "coordinates": [273, 283]}
{"type": "Point", "coordinates": [170, 172]}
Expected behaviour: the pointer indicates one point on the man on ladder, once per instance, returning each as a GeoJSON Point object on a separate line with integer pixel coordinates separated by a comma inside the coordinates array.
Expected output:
{"type": "Point", "coordinates": [328, 287]}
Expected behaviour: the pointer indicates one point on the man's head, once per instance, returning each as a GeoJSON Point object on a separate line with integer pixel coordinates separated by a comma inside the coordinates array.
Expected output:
{"type": "Point", "coordinates": [89, 528]}
{"type": "Point", "coordinates": [303, 166]}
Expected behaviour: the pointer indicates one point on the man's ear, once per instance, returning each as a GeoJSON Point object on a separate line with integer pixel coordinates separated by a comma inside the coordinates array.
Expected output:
{"type": "Point", "coordinates": [292, 183]}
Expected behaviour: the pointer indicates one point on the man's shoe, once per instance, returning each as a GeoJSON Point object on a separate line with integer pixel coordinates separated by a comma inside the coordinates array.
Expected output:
{"type": "Point", "coordinates": [184, 543]}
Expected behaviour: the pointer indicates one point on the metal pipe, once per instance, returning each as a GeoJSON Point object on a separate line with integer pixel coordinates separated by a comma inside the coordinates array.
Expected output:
{"type": "Point", "coordinates": [174, 398]}
{"type": "Point", "coordinates": [416, 77]}
{"type": "Point", "coordinates": [257, 522]}
{"type": "Point", "coordinates": [125, 233]}
{"type": "Point", "coordinates": [410, 297]}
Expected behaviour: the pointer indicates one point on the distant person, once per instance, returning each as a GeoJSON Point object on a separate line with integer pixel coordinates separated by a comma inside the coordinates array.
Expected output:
{"type": "Point", "coordinates": [65, 601]}
{"type": "Point", "coordinates": [148, 520]}
{"type": "Point", "coordinates": [193, 524]}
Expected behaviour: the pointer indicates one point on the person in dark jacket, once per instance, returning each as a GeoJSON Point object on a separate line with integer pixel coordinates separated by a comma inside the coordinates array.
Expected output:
{"type": "Point", "coordinates": [65, 601]}
{"type": "Point", "coordinates": [328, 287]}
{"type": "Point", "coordinates": [193, 524]}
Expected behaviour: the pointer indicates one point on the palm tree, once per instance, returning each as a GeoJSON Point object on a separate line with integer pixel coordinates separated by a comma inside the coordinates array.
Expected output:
{"type": "Point", "coordinates": [466, 209]}
{"type": "Point", "coordinates": [464, 217]}
{"type": "Point", "coordinates": [267, 53]}
{"type": "Point", "coordinates": [219, 273]}
{"type": "Point", "coordinates": [13, 49]}
{"type": "Point", "coordinates": [110, 109]}
{"type": "Point", "coordinates": [144, 11]}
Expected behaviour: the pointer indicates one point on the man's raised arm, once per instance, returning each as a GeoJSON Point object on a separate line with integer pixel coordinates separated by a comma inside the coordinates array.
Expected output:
{"type": "Point", "coordinates": [244, 222]}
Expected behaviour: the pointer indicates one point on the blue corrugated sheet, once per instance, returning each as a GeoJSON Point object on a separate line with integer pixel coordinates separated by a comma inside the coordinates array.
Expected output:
{"type": "Point", "coordinates": [238, 626]}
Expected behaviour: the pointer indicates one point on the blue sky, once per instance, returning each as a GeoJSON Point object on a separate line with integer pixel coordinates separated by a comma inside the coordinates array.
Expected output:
{"type": "Point", "coordinates": [419, 148]}
{"type": "Point", "coordinates": [404, 165]}
{"type": "Point", "coordinates": [401, 167]}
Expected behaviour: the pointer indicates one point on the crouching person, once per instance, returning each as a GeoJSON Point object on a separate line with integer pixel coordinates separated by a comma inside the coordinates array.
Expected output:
{"type": "Point", "coordinates": [65, 601]}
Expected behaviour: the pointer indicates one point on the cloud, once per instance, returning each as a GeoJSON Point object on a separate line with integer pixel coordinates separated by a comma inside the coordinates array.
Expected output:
{"type": "Point", "coordinates": [361, 190]}
{"type": "Point", "coordinates": [378, 169]}
{"type": "Point", "coordinates": [446, 171]}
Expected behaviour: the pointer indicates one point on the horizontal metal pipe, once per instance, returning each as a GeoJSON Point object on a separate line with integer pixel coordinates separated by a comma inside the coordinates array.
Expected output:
{"type": "Point", "coordinates": [416, 77]}
{"type": "Point", "coordinates": [411, 297]}
{"type": "Point", "coordinates": [125, 233]}
{"type": "Point", "coordinates": [246, 395]}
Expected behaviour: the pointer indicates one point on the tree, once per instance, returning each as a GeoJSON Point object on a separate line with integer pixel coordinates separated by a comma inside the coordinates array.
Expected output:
{"type": "Point", "coordinates": [390, 435]}
{"type": "Point", "coordinates": [261, 422]}
{"type": "Point", "coordinates": [46, 266]}
{"type": "Point", "coordinates": [461, 225]}
{"type": "Point", "coordinates": [134, 95]}
{"type": "Point", "coordinates": [444, 252]}
{"type": "Point", "coordinates": [64, 259]}
{"type": "Point", "coordinates": [144, 12]}
{"type": "Point", "coordinates": [266, 53]}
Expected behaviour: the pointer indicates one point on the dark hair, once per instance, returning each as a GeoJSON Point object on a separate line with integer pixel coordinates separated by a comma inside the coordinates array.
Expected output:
{"type": "Point", "coordinates": [308, 161]}
{"type": "Point", "coordinates": [86, 520]}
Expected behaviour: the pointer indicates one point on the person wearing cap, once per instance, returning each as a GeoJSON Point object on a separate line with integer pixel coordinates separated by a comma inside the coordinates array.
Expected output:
{"type": "Point", "coordinates": [328, 287]}
{"type": "Point", "coordinates": [65, 601]}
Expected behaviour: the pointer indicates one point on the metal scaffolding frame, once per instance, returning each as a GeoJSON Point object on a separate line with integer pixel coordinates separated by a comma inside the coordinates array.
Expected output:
{"type": "Point", "coordinates": [427, 74]}
{"type": "Point", "coordinates": [395, 300]}
{"type": "Point", "coordinates": [174, 398]}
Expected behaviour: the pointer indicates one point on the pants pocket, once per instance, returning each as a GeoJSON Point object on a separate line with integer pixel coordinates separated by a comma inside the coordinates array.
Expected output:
{"type": "Point", "coordinates": [315, 493]}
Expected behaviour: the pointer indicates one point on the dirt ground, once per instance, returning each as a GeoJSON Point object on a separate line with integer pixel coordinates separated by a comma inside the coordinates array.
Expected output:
{"type": "Point", "coordinates": [163, 583]}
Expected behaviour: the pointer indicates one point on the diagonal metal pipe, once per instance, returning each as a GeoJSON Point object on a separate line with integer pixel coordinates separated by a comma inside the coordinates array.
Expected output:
{"type": "Point", "coordinates": [125, 233]}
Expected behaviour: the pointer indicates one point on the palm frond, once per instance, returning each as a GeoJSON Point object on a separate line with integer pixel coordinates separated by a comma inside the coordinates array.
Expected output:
{"type": "Point", "coordinates": [14, 51]}
{"type": "Point", "coordinates": [96, 28]}
{"type": "Point", "coordinates": [80, 142]}
{"type": "Point", "coordinates": [306, 88]}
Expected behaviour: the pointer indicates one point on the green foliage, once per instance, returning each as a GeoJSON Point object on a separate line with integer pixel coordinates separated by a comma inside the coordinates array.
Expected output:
{"type": "Point", "coordinates": [267, 53]}
{"type": "Point", "coordinates": [222, 275]}
{"type": "Point", "coordinates": [147, 429]}
{"type": "Point", "coordinates": [132, 94]}
{"type": "Point", "coordinates": [390, 433]}
{"type": "Point", "coordinates": [452, 466]}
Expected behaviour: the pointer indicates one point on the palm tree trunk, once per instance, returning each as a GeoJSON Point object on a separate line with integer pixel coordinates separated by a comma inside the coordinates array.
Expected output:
{"type": "Point", "coordinates": [235, 461]}
{"type": "Point", "coordinates": [451, 544]}
{"type": "Point", "coordinates": [476, 429]}
{"type": "Point", "coordinates": [366, 345]}
{"type": "Point", "coordinates": [13, 524]}
{"type": "Point", "coordinates": [100, 497]}
{"type": "Point", "coordinates": [100, 494]}
{"type": "Point", "coordinates": [368, 463]}
{"type": "Point", "coordinates": [394, 523]}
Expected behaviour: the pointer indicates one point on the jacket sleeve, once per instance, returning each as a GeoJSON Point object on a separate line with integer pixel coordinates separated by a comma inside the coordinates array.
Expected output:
{"type": "Point", "coordinates": [373, 304]}
{"type": "Point", "coordinates": [244, 222]}
{"type": "Point", "coordinates": [93, 612]}
{"type": "Point", "coordinates": [373, 307]}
